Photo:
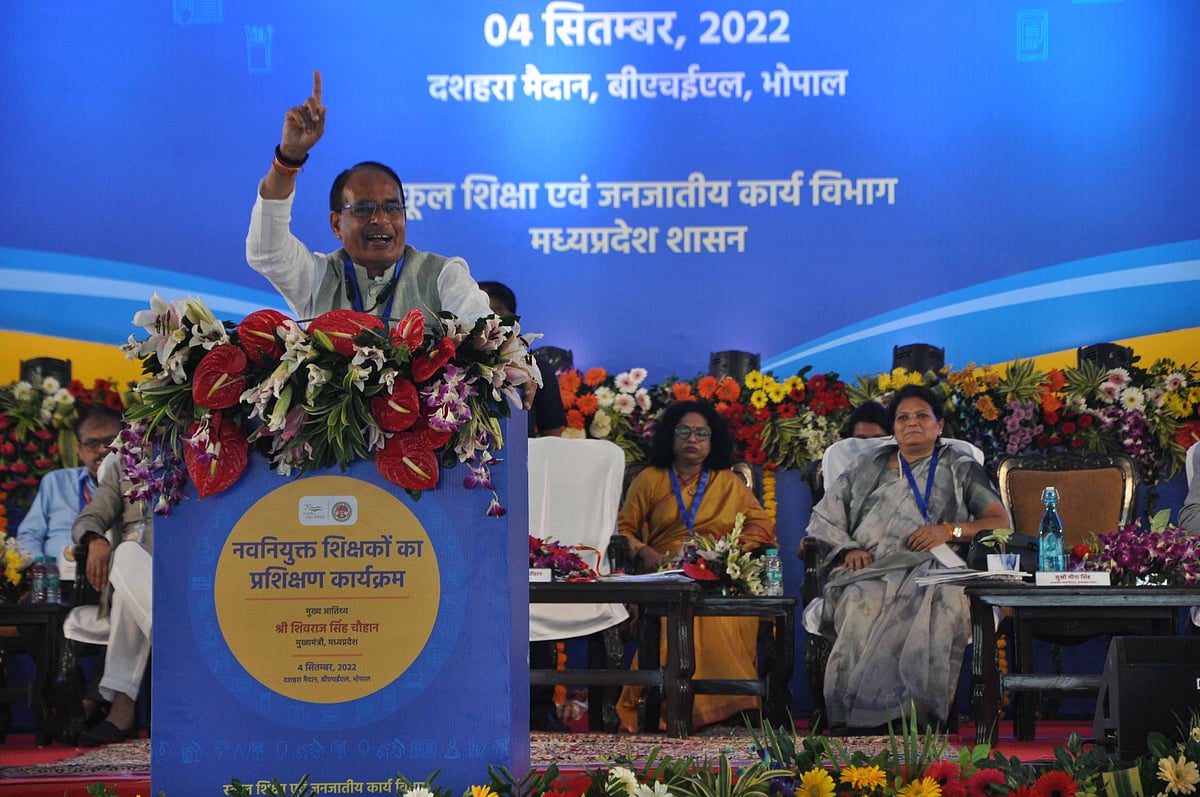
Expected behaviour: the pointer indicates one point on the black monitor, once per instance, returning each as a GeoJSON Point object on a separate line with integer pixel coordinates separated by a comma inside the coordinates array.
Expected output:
{"type": "Point", "coordinates": [1150, 683]}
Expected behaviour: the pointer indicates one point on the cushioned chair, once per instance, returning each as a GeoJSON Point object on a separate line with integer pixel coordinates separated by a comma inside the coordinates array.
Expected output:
{"type": "Point", "coordinates": [1097, 493]}
{"type": "Point", "coordinates": [837, 458]}
{"type": "Point", "coordinates": [574, 494]}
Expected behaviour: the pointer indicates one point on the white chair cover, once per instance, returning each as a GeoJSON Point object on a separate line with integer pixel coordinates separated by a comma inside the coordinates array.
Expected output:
{"type": "Point", "coordinates": [574, 495]}
{"type": "Point", "coordinates": [840, 455]}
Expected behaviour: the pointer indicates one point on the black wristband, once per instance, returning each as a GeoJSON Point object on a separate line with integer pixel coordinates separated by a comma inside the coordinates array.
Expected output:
{"type": "Point", "coordinates": [286, 161]}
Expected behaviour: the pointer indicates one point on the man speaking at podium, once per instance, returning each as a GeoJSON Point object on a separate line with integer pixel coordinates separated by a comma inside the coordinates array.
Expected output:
{"type": "Point", "coordinates": [376, 271]}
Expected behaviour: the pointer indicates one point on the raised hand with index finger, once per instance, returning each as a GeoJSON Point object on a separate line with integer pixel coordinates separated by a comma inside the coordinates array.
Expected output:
{"type": "Point", "coordinates": [303, 125]}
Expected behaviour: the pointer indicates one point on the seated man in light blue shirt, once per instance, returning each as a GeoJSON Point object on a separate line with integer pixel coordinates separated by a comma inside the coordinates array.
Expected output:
{"type": "Point", "coordinates": [46, 529]}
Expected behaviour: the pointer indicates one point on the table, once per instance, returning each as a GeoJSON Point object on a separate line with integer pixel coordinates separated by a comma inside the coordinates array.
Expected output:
{"type": "Point", "coordinates": [778, 653]}
{"type": "Point", "coordinates": [674, 600]}
{"type": "Point", "coordinates": [40, 626]}
{"type": "Point", "coordinates": [1089, 609]}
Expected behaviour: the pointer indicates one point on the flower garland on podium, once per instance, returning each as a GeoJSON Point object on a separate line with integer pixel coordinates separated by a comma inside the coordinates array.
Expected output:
{"type": "Point", "coordinates": [343, 389]}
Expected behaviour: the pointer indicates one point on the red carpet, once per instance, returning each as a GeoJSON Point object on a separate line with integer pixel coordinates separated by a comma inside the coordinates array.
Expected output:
{"type": "Point", "coordinates": [67, 771]}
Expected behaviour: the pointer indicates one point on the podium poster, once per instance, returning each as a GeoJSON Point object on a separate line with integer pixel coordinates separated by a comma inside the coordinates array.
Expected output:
{"type": "Point", "coordinates": [333, 627]}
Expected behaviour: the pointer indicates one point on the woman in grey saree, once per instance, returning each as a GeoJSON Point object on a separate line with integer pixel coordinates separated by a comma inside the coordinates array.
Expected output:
{"type": "Point", "coordinates": [898, 644]}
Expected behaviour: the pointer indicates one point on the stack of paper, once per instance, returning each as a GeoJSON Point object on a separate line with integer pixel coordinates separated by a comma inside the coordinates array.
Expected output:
{"type": "Point", "coordinates": [967, 574]}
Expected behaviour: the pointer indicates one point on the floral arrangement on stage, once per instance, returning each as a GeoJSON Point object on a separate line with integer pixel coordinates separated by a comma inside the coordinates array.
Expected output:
{"type": "Point", "coordinates": [1158, 554]}
{"type": "Point", "coordinates": [1152, 413]}
{"type": "Point", "coordinates": [909, 764]}
{"type": "Point", "coordinates": [37, 430]}
{"type": "Point", "coordinates": [1149, 413]}
{"type": "Point", "coordinates": [720, 561]}
{"type": "Point", "coordinates": [618, 408]}
{"type": "Point", "coordinates": [562, 560]}
{"type": "Point", "coordinates": [776, 424]}
{"type": "Point", "coordinates": [13, 560]}
{"type": "Point", "coordinates": [342, 389]}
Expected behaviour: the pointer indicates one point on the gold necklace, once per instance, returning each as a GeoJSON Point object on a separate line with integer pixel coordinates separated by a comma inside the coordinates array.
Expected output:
{"type": "Point", "coordinates": [689, 487]}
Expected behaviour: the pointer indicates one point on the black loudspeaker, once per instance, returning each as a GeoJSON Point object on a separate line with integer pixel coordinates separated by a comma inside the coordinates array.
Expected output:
{"type": "Point", "coordinates": [1150, 683]}
{"type": "Point", "coordinates": [918, 357]}
{"type": "Point", "coordinates": [1106, 355]}
{"type": "Point", "coordinates": [39, 368]}
{"type": "Point", "coordinates": [732, 363]}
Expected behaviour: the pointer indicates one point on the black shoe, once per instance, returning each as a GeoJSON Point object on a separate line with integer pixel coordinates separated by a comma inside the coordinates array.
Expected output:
{"type": "Point", "coordinates": [106, 733]}
{"type": "Point", "coordinates": [547, 721]}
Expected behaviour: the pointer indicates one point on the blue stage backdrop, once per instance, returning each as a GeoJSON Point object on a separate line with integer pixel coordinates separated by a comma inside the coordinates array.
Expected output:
{"type": "Point", "coordinates": [656, 180]}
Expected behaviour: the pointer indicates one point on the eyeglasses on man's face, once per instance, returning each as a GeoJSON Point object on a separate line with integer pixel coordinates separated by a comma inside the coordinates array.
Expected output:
{"type": "Point", "coordinates": [366, 209]}
{"type": "Point", "coordinates": [94, 443]}
{"type": "Point", "coordinates": [699, 432]}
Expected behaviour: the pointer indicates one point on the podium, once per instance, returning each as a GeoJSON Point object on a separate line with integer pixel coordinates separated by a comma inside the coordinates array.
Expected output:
{"type": "Point", "coordinates": [332, 626]}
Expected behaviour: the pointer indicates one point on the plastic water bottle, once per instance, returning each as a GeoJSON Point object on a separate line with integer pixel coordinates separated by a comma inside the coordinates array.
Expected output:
{"type": "Point", "coordinates": [53, 585]}
{"type": "Point", "coordinates": [1050, 535]}
{"type": "Point", "coordinates": [37, 580]}
{"type": "Point", "coordinates": [772, 573]}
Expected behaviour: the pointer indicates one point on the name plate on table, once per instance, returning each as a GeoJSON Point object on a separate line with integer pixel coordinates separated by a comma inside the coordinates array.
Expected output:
{"type": "Point", "coordinates": [540, 575]}
{"type": "Point", "coordinates": [1073, 578]}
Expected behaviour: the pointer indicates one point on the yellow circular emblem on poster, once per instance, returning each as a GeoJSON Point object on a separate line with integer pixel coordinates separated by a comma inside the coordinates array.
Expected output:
{"type": "Point", "coordinates": [327, 589]}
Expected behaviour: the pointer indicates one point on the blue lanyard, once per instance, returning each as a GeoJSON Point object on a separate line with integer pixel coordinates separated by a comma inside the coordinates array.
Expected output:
{"type": "Point", "coordinates": [85, 493]}
{"type": "Point", "coordinates": [356, 296]}
{"type": "Point", "coordinates": [689, 520]}
{"type": "Point", "coordinates": [922, 503]}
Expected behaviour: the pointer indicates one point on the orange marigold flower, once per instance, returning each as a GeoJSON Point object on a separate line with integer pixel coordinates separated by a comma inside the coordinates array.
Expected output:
{"type": "Point", "coordinates": [568, 397]}
{"type": "Point", "coordinates": [575, 419]}
{"type": "Point", "coordinates": [569, 380]}
{"type": "Point", "coordinates": [728, 389]}
{"type": "Point", "coordinates": [1051, 403]}
{"type": "Point", "coordinates": [594, 377]}
{"type": "Point", "coordinates": [987, 408]}
{"type": "Point", "coordinates": [1055, 380]}
{"type": "Point", "coordinates": [682, 391]}
{"type": "Point", "coordinates": [587, 403]}
{"type": "Point", "coordinates": [707, 386]}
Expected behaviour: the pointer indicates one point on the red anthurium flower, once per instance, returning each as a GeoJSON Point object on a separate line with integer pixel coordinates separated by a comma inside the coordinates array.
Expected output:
{"type": "Point", "coordinates": [398, 410]}
{"type": "Point", "coordinates": [699, 571]}
{"type": "Point", "coordinates": [432, 437]}
{"type": "Point", "coordinates": [410, 331]}
{"type": "Point", "coordinates": [257, 335]}
{"type": "Point", "coordinates": [406, 461]}
{"type": "Point", "coordinates": [426, 364]}
{"type": "Point", "coordinates": [215, 471]}
{"type": "Point", "coordinates": [220, 378]}
{"type": "Point", "coordinates": [1081, 551]}
{"type": "Point", "coordinates": [339, 328]}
